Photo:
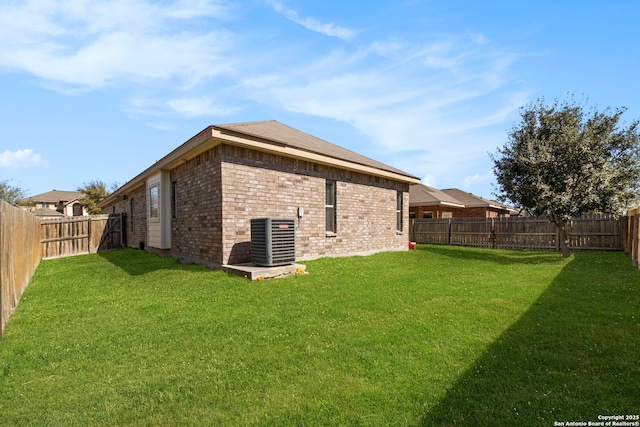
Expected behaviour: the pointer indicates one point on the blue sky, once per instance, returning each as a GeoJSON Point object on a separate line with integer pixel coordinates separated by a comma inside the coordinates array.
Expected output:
{"type": "Point", "coordinates": [102, 89]}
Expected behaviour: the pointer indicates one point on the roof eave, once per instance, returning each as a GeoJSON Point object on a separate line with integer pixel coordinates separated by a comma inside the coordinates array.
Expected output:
{"type": "Point", "coordinates": [437, 203]}
{"type": "Point", "coordinates": [212, 136]}
{"type": "Point", "coordinates": [195, 145]}
{"type": "Point", "coordinates": [296, 153]}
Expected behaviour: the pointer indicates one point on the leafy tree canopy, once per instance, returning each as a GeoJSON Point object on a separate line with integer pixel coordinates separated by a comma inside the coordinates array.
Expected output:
{"type": "Point", "coordinates": [563, 161]}
{"type": "Point", "coordinates": [94, 192]}
{"type": "Point", "coordinates": [9, 193]}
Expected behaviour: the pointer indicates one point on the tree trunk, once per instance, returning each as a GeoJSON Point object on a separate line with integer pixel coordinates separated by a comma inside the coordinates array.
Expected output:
{"type": "Point", "coordinates": [562, 236]}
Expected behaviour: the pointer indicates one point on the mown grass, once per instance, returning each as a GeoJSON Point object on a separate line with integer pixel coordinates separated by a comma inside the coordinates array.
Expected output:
{"type": "Point", "coordinates": [438, 336]}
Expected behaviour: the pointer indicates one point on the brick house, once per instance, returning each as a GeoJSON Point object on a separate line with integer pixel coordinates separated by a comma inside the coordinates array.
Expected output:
{"type": "Point", "coordinates": [428, 202]}
{"type": "Point", "coordinates": [55, 203]}
{"type": "Point", "coordinates": [196, 203]}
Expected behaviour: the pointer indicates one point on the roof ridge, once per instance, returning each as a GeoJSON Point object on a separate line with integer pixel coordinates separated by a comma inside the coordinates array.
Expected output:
{"type": "Point", "coordinates": [306, 142]}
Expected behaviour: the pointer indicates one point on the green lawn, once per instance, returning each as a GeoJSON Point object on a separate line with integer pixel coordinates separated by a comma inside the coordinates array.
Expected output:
{"type": "Point", "coordinates": [438, 336]}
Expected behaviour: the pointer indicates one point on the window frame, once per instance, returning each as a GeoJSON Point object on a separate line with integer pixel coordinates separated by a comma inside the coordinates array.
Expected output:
{"type": "Point", "coordinates": [399, 212]}
{"type": "Point", "coordinates": [132, 214]}
{"type": "Point", "coordinates": [330, 211]}
{"type": "Point", "coordinates": [174, 199]}
{"type": "Point", "coordinates": [154, 202]}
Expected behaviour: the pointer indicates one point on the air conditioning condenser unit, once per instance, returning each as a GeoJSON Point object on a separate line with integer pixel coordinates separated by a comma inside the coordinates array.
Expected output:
{"type": "Point", "coordinates": [273, 241]}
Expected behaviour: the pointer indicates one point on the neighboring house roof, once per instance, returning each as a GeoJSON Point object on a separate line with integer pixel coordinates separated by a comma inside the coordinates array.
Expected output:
{"type": "Point", "coordinates": [53, 196]}
{"type": "Point", "coordinates": [423, 195]}
{"type": "Point", "coordinates": [72, 202]}
{"type": "Point", "coordinates": [471, 200]}
{"type": "Point", "coordinates": [272, 137]}
{"type": "Point", "coordinates": [44, 212]}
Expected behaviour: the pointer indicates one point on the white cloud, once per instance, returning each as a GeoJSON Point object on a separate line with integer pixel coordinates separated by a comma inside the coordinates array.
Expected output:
{"type": "Point", "coordinates": [188, 107]}
{"type": "Point", "coordinates": [21, 159]}
{"type": "Point", "coordinates": [479, 178]}
{"type": "Point", "coordinates": [430, 180]}
{"type": "Point", "coordinates": [199, 107]}
{"type": "Point", "coordinates": [436, 122]}
{"type": "Point", "coordinates": [87, 44]}
{"type": "Point", "coordinates": [479, 39]}
{"type": "Point", "coordinates": [400, 104]}
{"type": "Point", "coordinates": [313, 25]}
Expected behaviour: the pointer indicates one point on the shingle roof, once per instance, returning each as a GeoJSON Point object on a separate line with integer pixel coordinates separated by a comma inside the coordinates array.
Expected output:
{"type": "Point", "coordinates": [47, 212]}
{"type": "Point", "coordinates": [54, 196]}
{"type": "Point", "coordinates": [471, 200]}
{"type": "Point", "coordinates": [420, 195]}
{"type": "Point", "coordinates": [274, 131]}
{"type": "Point", "coordinates": [424, 195]}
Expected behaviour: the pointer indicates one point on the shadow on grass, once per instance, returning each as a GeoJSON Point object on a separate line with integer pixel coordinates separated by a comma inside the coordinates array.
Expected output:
{"type": "Point", "coordinates": [498, 256]}
{"type": "Point", "coordinates": [571, 357]}
{"type": "Point", "coordinates": [137, 262]}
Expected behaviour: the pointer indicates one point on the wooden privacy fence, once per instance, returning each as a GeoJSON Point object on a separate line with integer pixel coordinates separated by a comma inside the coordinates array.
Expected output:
{"type": "Point", "coordinates": [597, 232]}
{"type": "Point", "coordinates": [25, 240]}
{"type": "Point", "coordinates": [19, 256]}
{"type": "Point", "coordinates": [631, 236]}
{"type": "Point", "coordinates": [62, 237]}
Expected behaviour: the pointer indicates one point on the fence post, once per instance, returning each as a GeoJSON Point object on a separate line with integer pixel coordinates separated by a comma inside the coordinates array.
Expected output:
{"type": "Point", "coordinates": [449, 231]}
{"type": "Point", "coordinates": [4, 317]}
{"type": "Point", "coordinates": [89, 235]}
{"type": "Point", "coordinates": [411, 223]}
{"type": "Point", "coordinates": [635, 240]}
{"type": "Point", "coordinates": [493, 233]}
{"type": "Point", "coordinates": [623, 234]}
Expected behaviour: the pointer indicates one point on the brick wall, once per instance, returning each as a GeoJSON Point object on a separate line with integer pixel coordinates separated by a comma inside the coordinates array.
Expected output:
{"type": "Point", "coordinates": [481, 212]}
{"type": "Point", "coordinates": [437, 211]}
{"type": "Point", "coordinates": [265, 185]}
{"type": "Point", "coordinates": [196, 230]}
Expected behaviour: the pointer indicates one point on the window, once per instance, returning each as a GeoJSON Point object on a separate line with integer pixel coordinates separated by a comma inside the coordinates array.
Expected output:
{"type": "Point", "coordinates": [132, 214]}
{"type": "Point", "coordinates": [427, 214]}
{"type": "Point", "coordinates": [174, 200]}
{"type": "Point", "coordinates": [330, 206]}
{"type": "Point", "coordinates": [77, 209]}
{"type": "Point", "coordinates": [153, 202]}
{"type": "Point", "coordinates": [399, 211]}
{"type": "Point", "coordinates": [447, 214]}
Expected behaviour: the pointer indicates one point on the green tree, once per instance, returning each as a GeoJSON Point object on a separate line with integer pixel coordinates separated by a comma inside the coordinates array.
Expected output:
{"type": "Point", "coordinates": [9, 193]}
{"type": "Point", "coordinates": [94, 192]}
{"type": "Point", "coordinates": [563, 161]}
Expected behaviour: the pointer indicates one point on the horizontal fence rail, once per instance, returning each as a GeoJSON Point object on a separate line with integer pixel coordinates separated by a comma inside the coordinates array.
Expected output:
{"type": "Point", "coordinates": [596, 232]}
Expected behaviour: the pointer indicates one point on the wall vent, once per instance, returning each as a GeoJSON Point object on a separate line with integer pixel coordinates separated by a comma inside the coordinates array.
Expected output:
{"type": "Point", "coordinates": [273, 241]}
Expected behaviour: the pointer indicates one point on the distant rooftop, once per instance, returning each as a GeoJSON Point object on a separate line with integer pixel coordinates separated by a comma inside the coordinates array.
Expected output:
{"type": "Point", "coordinates": [53, 196]}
